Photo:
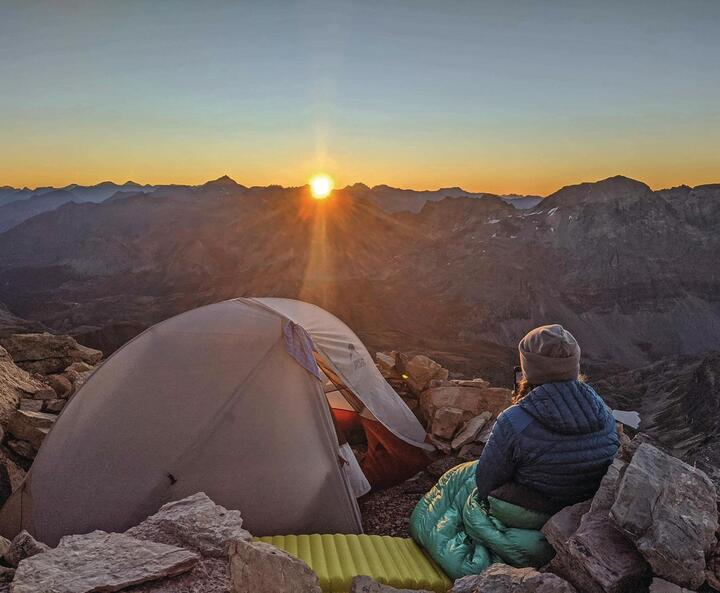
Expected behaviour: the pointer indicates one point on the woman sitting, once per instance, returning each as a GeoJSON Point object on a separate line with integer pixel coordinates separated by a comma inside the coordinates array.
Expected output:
{"type": "Point", "coordinates": [548, 450]}
{"type": "Point", "coordinates": [551, 448]}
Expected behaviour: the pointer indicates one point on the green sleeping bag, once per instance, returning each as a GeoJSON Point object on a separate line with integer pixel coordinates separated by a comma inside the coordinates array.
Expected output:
{"type": "Point", "coordinates": [465, 536]}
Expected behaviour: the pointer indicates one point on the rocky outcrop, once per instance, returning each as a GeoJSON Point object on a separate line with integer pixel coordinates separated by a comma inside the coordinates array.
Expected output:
{"type": "Point", "coordinates": [30, 403]}
{"type": "Point", "coordinates": [500, 578]}
{"type": "Point", "coordinates": [100, 561]}
{"type": "Point", "coordinates": [364, 584]}
{"type": "Point", "coordinates": [16, 384]}
{"type": "Point", "coordinates": [678, 400]}
{"type": "Point", "coordinates": [257, 567]}
{"type": "Point", "coordinates": [668, 509]}
{"type": "Point", "coordinates": [653, 515]}
{"type": "Point", "coordinates": [458, 413]}
{"type": "Point", "coordinates": [47, 353]}
{"type": "Point", "coordinates": [473, 400]}
{"type": "Point", "coordinates": [196, 523]}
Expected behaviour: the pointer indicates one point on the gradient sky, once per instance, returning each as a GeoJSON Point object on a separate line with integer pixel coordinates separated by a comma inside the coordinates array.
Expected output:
{"type": "Point", "coordinates": [502, 96]}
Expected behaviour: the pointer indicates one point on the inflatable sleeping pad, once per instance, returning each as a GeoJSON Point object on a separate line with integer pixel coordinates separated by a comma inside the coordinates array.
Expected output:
{"type": "Point", "coordinates": [338, 558]}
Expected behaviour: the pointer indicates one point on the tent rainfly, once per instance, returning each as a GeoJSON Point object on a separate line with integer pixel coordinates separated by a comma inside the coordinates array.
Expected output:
{"type": "Point", "coordinates": [247, 400]}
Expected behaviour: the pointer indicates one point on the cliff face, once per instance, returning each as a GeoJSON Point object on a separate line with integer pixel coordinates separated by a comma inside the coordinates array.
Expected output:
{"type": "Point", "coordinates": [633, 273]}
{"type": "Point", "coordinates": [678, 399]}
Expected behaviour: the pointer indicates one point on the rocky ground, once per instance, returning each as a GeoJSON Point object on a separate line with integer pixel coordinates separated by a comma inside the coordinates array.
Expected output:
{"type": "Point", "coordinates": [651, 528]}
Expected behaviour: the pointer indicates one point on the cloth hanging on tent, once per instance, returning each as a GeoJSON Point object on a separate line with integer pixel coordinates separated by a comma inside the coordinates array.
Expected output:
{"type": "Point", "coordinates": [354, 473]}
{"type": "Point", "coordinates": [299, 345]}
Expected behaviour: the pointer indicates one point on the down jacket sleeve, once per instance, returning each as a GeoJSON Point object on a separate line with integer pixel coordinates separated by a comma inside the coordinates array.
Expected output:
{"type": "Point", "coordinates": [496, 465]}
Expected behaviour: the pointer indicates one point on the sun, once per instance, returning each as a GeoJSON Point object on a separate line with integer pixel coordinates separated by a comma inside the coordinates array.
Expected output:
{"type": "Point", "coordinates": [321, 185]}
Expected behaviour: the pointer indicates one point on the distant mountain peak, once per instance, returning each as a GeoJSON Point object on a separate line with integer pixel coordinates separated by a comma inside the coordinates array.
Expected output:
{"type": "Point", "coordinates": [225, 181]}
{"type": "Point", "coordinates": [616, 187]}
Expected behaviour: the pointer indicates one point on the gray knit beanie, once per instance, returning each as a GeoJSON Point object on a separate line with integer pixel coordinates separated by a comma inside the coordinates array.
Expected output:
{"type": "Point", "coordinates": [549, 353]}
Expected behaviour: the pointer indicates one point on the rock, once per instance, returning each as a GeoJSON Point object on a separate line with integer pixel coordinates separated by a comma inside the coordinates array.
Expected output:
{"type": "Point", "coordinates": [47, 353]}
{"type": "Point", "coordinates": [54, 406]}
{"type": "Point", "coordinates": [471, 451]}
{"type": "Point", "coordinates": [22, 448]}
{"type": "Point", "coordinates": [596, 558]}
{"type": "Point", "coordinates": [669, 510]}
{"type": "Point", "coordinates": [100, 561]}
{"type": "Point", "coordinates": [60, 384]}
{"type": "Point", "coordinates": [31, 426]}
{"type": "Point", "coordinates": [446, 422]}
{"type": "Point", "coordinates": [6, 575]}
{"type": "Point", "coordinates": [257, 567]}
{"type": "Point", "coordinates": [563, 524]}
{"type": "Point", "coordinates": [440, 444]}
{"type": "Point", "coordinates": [500, 578]}
{"type": "Point", "coordinates": [605, 496]}
{"type": "Point", "coordinates": [473, 400]}
{"type": "Point", "coordinates": [712, 571]}
{"type": "Point", "coordinates": [363, 584]}
{"type": "Point", "coordinates": [478, 383]}
{"type": "Point", "coordinates": [210, 575]}
{"type": "Point", "coordinates": [661, 586]}
{"type": "Point", "coordinates": [420, 370]}
{"type": "Point", "coordinates": [80, 367]}
{"type": "Point", "coordinates": [76, 378]}
{"type": "Point", "coordinates": [21, 547]}
{"type": "Point", "coordinates": [386, 364]}
{"type": "Point", "coordinates": [471, 430]}
{"type": "Point", "coordinates": [484, 435]}
{"type": "Point", "coordinates": [30, 405]}
{"type": "Point", "coordinates": [15, 385]}
{"type": "Point", "coordinates": [195, 522]}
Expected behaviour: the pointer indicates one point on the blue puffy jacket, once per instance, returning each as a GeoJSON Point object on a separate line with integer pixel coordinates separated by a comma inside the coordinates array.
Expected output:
{"type": "Point", "coordinates": [559, 440]}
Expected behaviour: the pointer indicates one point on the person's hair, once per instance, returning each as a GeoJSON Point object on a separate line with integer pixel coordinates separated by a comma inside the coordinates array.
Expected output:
{"type": "Point", "coordinates": [524, 387]}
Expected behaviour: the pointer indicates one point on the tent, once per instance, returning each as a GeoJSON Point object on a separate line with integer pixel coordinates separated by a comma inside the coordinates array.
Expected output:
{"type": "Point", "coordinates": [246, 400]}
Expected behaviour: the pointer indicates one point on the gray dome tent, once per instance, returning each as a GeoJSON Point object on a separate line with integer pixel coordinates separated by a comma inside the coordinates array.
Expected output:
{"type": "Point", "coordinates": [227, 399]}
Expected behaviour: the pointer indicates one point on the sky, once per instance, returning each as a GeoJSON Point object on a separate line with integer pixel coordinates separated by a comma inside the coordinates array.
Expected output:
{"type": "Point", "coordinates": [501, 96]}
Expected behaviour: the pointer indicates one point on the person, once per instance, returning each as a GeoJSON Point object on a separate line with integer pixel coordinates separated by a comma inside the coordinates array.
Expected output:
{"type": "Point", "coordinates": [553, 446]}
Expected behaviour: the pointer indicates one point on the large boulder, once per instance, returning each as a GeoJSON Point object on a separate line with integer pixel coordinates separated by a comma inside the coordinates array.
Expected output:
{"type": "Point", "coordinates": [471, 430]}
{"type": "Point", "coordinates": [590, 552]}
{"type": "Point", "coordinates": [100, 561]}
{"type": "Point", "coordinates": [257, 567]}
{"type": "Point", "coordinates": [47, 353]}
{"type": "Point", "coordinates": [420, 370]}
{"type": "Point", "coordinates": [363, 584]}
{"type": "Point", "coordinates": [195, 522]}
{"type": "Point", "coordinates": [500, 578]}
{"type": "Point", "coordinates": [16, 384]}
{"type": "Point", "coordinates": [473, 400]}
{"type": "Point", "coordinates": [669, 510]}
{"type": "Point", "coordinates": [446, 422]}
{"type": "Point", "coordinates": [599, 559]}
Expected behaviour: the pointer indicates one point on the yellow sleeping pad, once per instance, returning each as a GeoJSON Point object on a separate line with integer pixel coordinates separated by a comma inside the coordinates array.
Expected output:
{"type": "Point", "coordinates": [395, 561]}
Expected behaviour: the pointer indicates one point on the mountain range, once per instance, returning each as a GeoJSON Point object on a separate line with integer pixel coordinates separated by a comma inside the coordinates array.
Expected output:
{"type": "Point", "coordinates": [632, 272]}
{"type": "Point", "coordinates": [19, 204]}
